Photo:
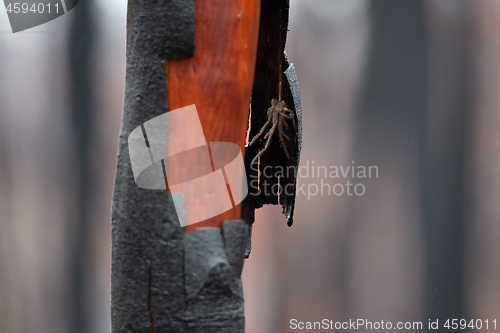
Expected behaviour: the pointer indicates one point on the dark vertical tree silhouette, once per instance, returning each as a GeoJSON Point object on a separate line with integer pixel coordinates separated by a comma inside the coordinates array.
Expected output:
{"type": "Point", "coordinates": [80, 49]}
{"type": "Point", "coordinates": [443, 163]}
{"type": "Point", "coordinates": [411, 97]}
{"type": "Point", "coordinates": [390, 124]}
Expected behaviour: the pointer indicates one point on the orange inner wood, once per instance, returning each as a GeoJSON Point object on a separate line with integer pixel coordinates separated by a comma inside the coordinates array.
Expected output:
{"type": "Point", "coordinates": [219, 78]}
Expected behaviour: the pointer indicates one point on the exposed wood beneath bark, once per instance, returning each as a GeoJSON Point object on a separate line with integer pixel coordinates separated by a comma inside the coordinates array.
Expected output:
{"type": "Point", "coordinates": [164, 279]}
{"type": "Point", "coordinates": [219, 78]}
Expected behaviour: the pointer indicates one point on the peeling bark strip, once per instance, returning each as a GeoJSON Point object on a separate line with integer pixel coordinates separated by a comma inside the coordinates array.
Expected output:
{"type": "Point", "coordinates": [164, 280]}
{"type": "Point", "coordinates": [270, 55]}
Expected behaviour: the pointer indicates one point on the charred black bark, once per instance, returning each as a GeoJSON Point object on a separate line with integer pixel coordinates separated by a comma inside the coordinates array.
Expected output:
{"type": "Point", "coordinates": [270, 59]}
{"type": "Point", "coordinates": [161, 276]}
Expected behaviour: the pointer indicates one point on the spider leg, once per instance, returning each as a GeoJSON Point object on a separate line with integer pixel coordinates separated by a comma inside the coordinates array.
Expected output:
{"type": "Point", "coordinates": [267, 143]}
{"type": "Point", "coordinates": [281, 134]}
{"type": "Point", "coordinates": [269, 118]}
{"type": "Point", "coordinates": [286, 125]}
{"type": "Point", "coordinates": [290, 116]}
{"type": "Point", "coordinates": [257, 156]}
{"type": "Point", "coordinates": [293, 122]}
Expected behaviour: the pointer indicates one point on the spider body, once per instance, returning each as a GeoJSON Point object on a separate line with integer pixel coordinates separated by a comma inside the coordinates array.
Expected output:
{"type": "Point", "coordinates": [276, 115]}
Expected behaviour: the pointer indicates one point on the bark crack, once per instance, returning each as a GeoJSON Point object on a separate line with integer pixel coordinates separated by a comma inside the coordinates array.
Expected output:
{"type": "Point", "coordinates": [150, 301]}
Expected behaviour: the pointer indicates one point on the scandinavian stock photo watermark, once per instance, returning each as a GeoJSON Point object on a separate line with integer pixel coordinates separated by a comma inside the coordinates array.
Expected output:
{"type": "Point", "coordinates": [204, 179]}
{"type": "Point", "coordinates": [27, 14]}
{"type": "Point", "coordinates": [371, 325]}
{"type": "Point", "coordinates": [312, 179]}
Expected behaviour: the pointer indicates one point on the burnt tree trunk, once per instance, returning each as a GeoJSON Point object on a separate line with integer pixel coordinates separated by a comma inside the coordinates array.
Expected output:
{"type": "Point", "coordinates": [165, 279]}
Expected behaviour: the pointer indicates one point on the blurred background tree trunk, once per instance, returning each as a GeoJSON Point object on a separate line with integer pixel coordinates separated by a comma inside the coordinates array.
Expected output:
{"type": "Point", "coordinates": [81, 44]}
{"type": "Point", "coordinates": [389, 132]}
{"type": "Point", "coordinates": [47, 193]}
{"type": "Point", "coordinates": [445, 201]}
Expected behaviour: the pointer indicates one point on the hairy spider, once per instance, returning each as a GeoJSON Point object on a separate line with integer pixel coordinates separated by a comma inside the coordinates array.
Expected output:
{"type": "Point", "coordinates": [277, 114]}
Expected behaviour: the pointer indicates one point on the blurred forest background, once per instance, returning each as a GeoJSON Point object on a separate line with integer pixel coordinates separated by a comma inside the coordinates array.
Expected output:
{"type": "Point", "coordinates": [409, 86]}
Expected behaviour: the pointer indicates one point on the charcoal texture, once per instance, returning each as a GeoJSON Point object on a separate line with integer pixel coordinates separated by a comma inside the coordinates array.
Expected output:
{"type": "Point", "coordinates": [181, 282]}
